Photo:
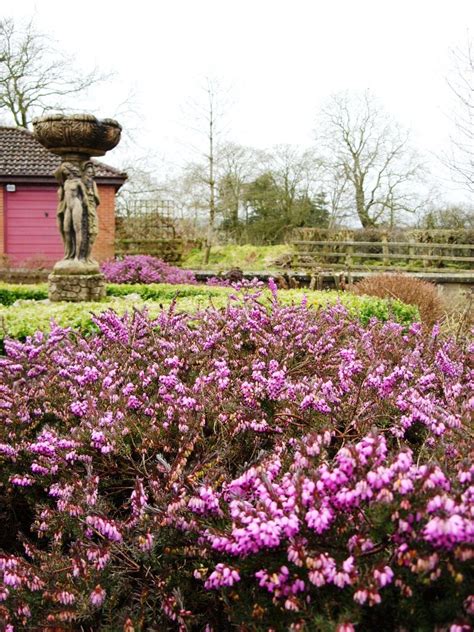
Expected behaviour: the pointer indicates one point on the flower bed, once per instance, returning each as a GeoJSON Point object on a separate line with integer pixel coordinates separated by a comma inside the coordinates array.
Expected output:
{"type": "Point", "coordinates": [257, 467]}
{"type": "Point", "coordinates": [144, 269]}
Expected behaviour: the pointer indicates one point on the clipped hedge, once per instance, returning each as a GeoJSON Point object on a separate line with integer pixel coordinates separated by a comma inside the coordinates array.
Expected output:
{"type": "Point", "coordinates": [27, 316]}
{"type": "Point", "coordinates": [11, 292]}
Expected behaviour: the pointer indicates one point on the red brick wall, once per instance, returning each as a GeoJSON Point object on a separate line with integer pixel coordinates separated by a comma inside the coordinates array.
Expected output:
{"type": "Point", "coordinates": [104, 247]}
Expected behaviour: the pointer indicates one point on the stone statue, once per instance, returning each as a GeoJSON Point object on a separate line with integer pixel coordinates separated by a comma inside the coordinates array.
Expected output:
{"type": "Point", "coordinates": [77, 211]}
{"type": "Point", "coordinates": [72, 211]}
{"type": "Point", "coordinates": [77, 138]}
{"type": "Point", "coordinates": [92, 201]}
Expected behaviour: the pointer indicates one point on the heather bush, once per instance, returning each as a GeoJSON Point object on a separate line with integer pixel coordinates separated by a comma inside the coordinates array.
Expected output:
{"type": "Point", "coordinates": [408, 289]}
{"type": "Point", "coordinates": [257, 467]}
{"type": "Point", "coordinates": [144, 269]}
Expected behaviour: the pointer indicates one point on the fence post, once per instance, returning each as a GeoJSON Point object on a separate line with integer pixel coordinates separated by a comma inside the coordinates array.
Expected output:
{"type": "Point", "coordinates": [385, 259]}
{"type": "Point", "coordinates": [349, 253]}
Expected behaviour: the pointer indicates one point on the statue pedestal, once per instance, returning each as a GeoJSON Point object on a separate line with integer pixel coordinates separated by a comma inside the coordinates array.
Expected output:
{"type": "Point", "coordinates": [76, 287]}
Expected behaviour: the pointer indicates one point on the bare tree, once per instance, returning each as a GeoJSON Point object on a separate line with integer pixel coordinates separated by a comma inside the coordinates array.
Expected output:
{"type": "Point", "coordinates": [236, 166]}
{"type": "Point", "coordinates": [207, 114]}
{"type": "Point", "coordinates": [461, 84]}
{"type": "Point", "coordinates": [369, 156]}
{"type": "Point", "coordinates": [34, 75]}
{"type": "Point", "coordinates": [335, 184]}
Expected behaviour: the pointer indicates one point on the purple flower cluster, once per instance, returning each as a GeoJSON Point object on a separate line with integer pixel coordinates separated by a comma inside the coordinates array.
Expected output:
{"type": "Point", "coordinates": [291, 508]}
{"type": "Point", "coordinates": [144, 269]}
{"type": "Point", "coordinates": [241, 466]}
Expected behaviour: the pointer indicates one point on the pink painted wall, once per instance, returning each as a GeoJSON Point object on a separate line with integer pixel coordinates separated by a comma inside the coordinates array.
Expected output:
{"type": "Point", "coordinates": [30, 225]}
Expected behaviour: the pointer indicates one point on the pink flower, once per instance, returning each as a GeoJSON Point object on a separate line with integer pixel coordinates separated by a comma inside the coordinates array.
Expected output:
{"type": "Point", "coordinates": [345, 627]}
{"type": "Point", "coordinates": [222, 575]}
{"type": "Point", "coordinates": [97, 596]}
{"type": "Point", "coordinates": [384, 576]}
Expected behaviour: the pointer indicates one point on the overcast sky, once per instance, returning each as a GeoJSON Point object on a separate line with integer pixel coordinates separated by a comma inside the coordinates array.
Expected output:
{"type": "Point", "coordinates": [280, 60]}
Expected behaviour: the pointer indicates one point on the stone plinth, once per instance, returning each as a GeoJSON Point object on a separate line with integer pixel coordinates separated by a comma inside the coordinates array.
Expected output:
{"type": "Point", "coordinates": [76, 287]}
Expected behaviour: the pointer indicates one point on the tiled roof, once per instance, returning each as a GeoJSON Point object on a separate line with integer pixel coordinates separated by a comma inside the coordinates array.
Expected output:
{"type": "Point", "coordinates": [21, 155]}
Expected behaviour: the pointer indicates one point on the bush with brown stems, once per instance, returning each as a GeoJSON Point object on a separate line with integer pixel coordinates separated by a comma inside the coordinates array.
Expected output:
{"type": "Point", "coordinates": [407, 289]}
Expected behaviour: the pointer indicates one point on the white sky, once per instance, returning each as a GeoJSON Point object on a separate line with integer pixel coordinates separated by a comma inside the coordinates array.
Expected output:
{"type": "Point", "coordinates": [280, 59]}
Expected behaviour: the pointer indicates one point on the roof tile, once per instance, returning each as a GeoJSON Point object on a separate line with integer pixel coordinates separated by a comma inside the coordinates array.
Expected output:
{"type": "Point", "coordinates": [22, 155]}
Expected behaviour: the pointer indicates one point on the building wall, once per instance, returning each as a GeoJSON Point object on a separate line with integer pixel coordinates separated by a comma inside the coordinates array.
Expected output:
{"type": "Point", "coordinates": [104, 247]}
{"type": "Point", "coordinates": [2, 223]}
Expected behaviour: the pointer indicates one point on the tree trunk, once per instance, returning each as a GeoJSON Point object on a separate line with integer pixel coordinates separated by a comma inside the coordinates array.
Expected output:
{"type": "Point", "coordinates": [362, 213]}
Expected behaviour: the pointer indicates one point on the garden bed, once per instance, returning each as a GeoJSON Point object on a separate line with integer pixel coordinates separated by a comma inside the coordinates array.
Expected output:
{"type": "Point", "coordinates": [277, 461]}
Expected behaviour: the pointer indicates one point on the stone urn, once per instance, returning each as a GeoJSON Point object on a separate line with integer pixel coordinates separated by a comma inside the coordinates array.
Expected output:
{"type": "Point", "coordinates": [77, 138]}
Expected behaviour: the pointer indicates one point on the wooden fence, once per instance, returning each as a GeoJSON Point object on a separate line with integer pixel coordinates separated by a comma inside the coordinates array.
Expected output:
{"type": "Point", "coordinates": [147, 227]}
{"type": "Point", "coordinates": [383, 254]}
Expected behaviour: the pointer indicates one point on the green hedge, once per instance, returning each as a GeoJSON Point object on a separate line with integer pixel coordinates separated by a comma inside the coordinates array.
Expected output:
{"type": "Point", "coordinates": [11, 292]}
{"type": "Point", "coordinates": [29, 315]}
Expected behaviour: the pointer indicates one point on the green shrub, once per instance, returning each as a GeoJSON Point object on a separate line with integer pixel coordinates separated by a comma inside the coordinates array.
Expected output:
{"type": "Point", "coordinates": [405, 288]}
{"type": "Point", "coordinates": [164, 291]}
{"type": "Point", "coordinates": [362, 307]}
{"type": "Point", "coordinates": [10, 292]}
{"type": "Point", "coordinates": [25, 318]}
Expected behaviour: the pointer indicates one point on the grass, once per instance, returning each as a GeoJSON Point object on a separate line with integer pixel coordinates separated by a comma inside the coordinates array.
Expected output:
{"type": "Point", "coordinates": [246, 257]}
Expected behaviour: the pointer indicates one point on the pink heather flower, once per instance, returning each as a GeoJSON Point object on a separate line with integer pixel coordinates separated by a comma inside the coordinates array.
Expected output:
{"type": "Point", "coordinates": [319, 520]}
{"type": "Point", "coordinates": [105, 527]}
{"type": "Point", "coordinates": [222, 575]}
{"type": "Point", "coordinates": [384, 576]}
{"type": "Point", "coordinates": [23, 610]}
{"type": "Point", "coordinates": [292, 604]}
{"type": "Point", "coordinates": [97, 596]}
{"type": "Point", "coordinates": [469, 605]}
{"type": "Point", "coordinates": [7, 450]}
{"type": "Point", "coordinates": [65, 597]}
{"type": "Point", "coordinates": [360, 596]}
{"type": "Point", "coordinates": [345, 627]}
{"type": "Point", "coordinates": [22, 481]}
{"type": "Point", "coordinates": [10, 578]}
{"type": "Point", "coordinates": [79, 408]}
{"type": "Point", "coordinates": [272, 286]}
{"type": "Point", "coordinates": [133, 402]}
{"type": "Point", "coordinates": [4, 593]}
{"type": "Point", "coordinates": [445, 532]}
{"type": "Point", "coordinates": [145, 542]}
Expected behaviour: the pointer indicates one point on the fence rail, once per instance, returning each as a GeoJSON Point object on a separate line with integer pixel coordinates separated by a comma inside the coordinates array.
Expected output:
{"type": "Point", "coordinates": [383, 255]}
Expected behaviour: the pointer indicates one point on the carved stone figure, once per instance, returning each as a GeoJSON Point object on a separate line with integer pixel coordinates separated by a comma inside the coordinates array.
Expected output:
{"type": "Point", "coordinates": [92, 201]}
{"type": "Point", "coordinates": [76, 138]}
{"type": "Point", "coordinates": [77, 211]}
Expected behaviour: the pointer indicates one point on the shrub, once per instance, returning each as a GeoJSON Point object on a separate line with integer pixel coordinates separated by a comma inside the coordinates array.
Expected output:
{"type": "Point", "coordinates": [144, 269]}
{"type": "Point", "coordinates": [24, 319]}
{"type": "Point", "coordinates": [12, 292]}
{"type": "Point", "coordinates": [162, 291]}
{"type": "Point", "coordinates": [255, 467]}
{"type": "Point", "coordinates": [408, 289]}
